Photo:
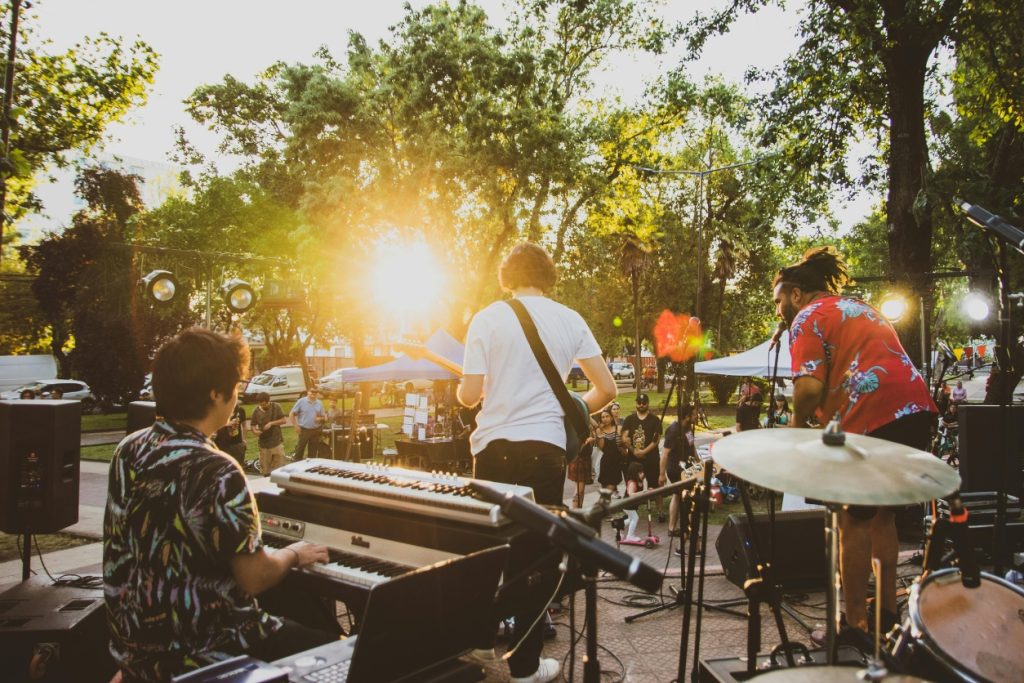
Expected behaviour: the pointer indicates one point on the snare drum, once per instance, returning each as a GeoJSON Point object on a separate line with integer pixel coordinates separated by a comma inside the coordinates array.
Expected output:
{"type": "Point", "coordinates": [964, 634]}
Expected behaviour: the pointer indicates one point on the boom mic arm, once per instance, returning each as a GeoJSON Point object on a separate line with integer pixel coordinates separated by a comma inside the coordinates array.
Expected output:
{"type": "Point", "coordinates": [983, 218]}
{"type": "Point", "coordinates": [573, 537]}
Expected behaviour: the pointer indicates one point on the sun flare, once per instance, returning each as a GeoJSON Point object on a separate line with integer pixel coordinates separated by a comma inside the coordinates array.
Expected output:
{"type": "Point", "coordinates": [407, 280]}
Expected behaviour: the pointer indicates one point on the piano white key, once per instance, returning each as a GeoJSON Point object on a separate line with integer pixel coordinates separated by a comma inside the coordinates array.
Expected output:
{"type": "Point", "coordinates": [349, 574]}
{"type": "Point", "coordinates": [280, 531]}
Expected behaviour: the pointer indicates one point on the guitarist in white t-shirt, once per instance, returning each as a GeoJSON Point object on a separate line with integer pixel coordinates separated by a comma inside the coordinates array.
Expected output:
{"type": "Point", "coordinates": [520, 436]}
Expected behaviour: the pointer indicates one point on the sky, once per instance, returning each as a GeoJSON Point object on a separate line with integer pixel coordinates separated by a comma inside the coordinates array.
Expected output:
{"type": "Point", "coordinates": [201, 42]}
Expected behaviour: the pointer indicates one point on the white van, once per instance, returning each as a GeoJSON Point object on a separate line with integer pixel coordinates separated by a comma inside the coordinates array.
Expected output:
{"type": "Point", "coordinates": [283, 382]}
{"type": "Point", "coordinates": [16, 371]}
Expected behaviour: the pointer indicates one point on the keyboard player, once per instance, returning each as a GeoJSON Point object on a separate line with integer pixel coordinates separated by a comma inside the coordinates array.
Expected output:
{"type": "Point", "coordinates": [187, 579]}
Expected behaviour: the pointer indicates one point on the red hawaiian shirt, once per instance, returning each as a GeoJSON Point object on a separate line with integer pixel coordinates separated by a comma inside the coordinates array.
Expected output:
{"type": "Point", "coordinates": [869, 379]}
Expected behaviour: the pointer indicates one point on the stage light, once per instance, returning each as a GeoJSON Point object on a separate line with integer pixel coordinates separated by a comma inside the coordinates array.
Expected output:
{"type": "Point", "coordinates": [160, 286]}
{"type": "Point", "coordinates": [975, 306]}
{"type": "Point", "coordinates": [238, 295]}
{"type": "Point", "coordinates": [893, 307]}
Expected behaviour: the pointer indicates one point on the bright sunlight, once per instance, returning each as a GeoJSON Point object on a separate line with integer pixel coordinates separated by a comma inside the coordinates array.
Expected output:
{"type": "Point", "coordinates": [407, 280]}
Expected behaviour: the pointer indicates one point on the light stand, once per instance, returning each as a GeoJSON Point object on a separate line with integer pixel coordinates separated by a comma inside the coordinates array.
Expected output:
{"type": "Point", "coordinates": [1009, 235]}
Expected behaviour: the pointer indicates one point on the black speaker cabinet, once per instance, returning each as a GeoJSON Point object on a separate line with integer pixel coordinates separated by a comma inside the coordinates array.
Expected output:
{"type": "Point", "coordinates": [980, 438]}
{"type": "Point", "coordinates": [39, 459]}
{"type": "Point", "coordinates": [141, 414]}
{"type": "Point", "coordinates": [799, 548]}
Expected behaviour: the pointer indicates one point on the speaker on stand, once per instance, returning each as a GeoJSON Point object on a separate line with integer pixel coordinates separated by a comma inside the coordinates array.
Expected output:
{"type": "Point", "coordinates": [40, 446]}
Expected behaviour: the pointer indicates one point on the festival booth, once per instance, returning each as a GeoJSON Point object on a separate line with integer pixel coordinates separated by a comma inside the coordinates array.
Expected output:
{"type": "Point", "coordinates": [428, 418]}
{"type": "Point", "coordinates": [756, 362]}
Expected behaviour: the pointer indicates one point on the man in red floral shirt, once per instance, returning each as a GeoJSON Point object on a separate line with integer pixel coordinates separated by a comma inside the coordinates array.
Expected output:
{"type": "Point", "coordinates": [848, 364]}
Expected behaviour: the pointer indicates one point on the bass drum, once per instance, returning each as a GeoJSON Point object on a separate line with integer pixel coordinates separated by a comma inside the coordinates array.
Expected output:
{"type": "Point", "coordinates": [964, 634]}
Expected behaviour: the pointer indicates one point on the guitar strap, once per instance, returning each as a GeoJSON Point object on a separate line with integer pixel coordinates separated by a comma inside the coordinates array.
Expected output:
{"type": "Point", "coordinates": [548, 367]}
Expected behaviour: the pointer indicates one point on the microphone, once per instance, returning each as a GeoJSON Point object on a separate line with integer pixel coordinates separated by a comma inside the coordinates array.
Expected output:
{"type": "Point", "coordinates": [983, 218]}
{"type": "Point", "coordinates": [777, 336]}
{"type": "Point", "coordinates": [574, 537]}
{"type": "Point", "coordinates": [969, 572]}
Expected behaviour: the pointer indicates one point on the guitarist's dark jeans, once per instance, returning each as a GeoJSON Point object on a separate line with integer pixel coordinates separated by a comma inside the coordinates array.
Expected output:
{"type": "Point", "coordinates": [540, 466]}
{"type": "Point", "coordinates": [536, 464]}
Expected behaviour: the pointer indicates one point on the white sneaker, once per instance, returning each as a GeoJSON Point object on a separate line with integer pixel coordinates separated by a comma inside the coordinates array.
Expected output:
{"type": "Point", "coordinates": [546, 671]}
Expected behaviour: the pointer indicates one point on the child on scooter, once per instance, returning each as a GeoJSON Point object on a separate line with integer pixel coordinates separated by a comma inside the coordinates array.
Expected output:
{"type": "Point", "coordinates": [634, 479]}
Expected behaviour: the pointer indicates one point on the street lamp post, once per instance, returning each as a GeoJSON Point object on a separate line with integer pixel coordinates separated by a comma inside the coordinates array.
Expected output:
{"type": "Point", "coordinates": [698, 222]}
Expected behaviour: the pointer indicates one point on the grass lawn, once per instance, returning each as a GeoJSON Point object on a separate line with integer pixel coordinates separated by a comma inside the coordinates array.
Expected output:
{"type": "Point", "coordinates": [47, 542]}
{"type": "Point", "coordinates": [387, 436]}
{"type": "Point", "coordinates": [104, 423]}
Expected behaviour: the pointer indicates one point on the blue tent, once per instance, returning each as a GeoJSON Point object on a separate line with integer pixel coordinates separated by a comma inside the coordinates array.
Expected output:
{"type": "Point", "coordinates": [406, 368]}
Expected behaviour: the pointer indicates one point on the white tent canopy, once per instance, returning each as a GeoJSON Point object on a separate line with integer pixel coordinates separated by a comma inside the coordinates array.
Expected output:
{"type": "Point", "coordinates": [755, 362]}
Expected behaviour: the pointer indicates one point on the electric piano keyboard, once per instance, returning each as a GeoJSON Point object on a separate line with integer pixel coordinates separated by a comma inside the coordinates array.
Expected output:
{"type": "Point", "coordinates": [434, 494]}
{"type": "Point", "coordinates": [367, 544]}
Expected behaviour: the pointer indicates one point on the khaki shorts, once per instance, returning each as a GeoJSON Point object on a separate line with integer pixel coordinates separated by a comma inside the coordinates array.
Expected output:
{"type": "Point", "coordinates": [271, 459]}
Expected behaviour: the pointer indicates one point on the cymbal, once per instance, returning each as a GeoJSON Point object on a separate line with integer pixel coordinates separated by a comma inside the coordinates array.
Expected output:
{"type": "Point", "coordinates": [861, 471]}
{"type": "Point", "coordinates": [826, 674]}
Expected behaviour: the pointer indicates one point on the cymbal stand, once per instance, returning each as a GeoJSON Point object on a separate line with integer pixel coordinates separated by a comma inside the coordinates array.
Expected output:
{"type": "Point", "coordinates": [761, 589]}
{"type": "Point", "coordinates": [832, 587]}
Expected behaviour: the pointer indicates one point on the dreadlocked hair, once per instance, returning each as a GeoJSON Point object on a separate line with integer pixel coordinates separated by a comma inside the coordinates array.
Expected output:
{"type": "Point", "coordinates": [821, 269]}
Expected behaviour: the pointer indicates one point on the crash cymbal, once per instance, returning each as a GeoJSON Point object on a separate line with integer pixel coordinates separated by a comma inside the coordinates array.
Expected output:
{"type": "Point", "coordinates": [827, 674]}
{"type": "Point", "coordinates": [858, 470]}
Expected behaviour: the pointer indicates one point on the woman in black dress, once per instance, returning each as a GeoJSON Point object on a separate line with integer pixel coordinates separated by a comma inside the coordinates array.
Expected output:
{"type": "Point", "coordinates": [609, 440]}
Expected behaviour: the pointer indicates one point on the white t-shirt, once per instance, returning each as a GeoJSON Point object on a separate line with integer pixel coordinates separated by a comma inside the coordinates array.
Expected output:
{"type": "Point", "coordinates": [519, 404]}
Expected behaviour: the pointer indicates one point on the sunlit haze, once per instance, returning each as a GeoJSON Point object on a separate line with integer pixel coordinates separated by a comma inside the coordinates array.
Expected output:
{"type": "Point", "coordinates": [408, 281]}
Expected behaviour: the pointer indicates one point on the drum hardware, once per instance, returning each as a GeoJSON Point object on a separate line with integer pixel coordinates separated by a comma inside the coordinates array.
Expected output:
{"type": "Point", "coordinates": [839, 469]}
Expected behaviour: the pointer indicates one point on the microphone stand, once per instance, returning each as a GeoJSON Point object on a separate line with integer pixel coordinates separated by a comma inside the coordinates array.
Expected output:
{"type": "Point", "coordinates": [583, 544]}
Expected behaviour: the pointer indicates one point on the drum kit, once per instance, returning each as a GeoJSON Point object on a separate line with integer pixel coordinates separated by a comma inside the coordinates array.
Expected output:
{"type": "Point", "coordinates": [953, 632]}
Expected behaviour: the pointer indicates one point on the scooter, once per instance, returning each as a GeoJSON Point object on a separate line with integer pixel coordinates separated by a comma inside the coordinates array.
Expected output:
{"type": "Point", "coordinates": [631, 519]}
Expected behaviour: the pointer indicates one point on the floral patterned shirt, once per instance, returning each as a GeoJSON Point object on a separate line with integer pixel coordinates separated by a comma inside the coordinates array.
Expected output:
{"type": "Point", "coordinates": [854, 351]}
{"type": "Point", "coordinates": [177, 511]}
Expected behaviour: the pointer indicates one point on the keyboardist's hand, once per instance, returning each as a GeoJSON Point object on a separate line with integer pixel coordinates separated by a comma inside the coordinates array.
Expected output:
{"type": "Point", "coordinates": [309, 553]}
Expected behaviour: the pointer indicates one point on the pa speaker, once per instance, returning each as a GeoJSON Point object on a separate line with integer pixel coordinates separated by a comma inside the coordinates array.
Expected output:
{"type": "Point", "coordinates": [799, 548]}
{"type": "Point", "coordinates": [981, 451]}
{"type": "Point", "coordinates": [141, 414]}
{"type": "Point", "coordinates": [39, 460]}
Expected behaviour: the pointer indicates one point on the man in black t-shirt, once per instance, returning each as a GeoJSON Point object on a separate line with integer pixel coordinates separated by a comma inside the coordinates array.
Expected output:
{"type": "Point", "coordinates": [748, 412]}
{"type": "Point", "coordinates": [231, 437]}
{"type": "Point", "coordinates": [676, 453]}
{"type": "Point", "coordinates": [641, 432]}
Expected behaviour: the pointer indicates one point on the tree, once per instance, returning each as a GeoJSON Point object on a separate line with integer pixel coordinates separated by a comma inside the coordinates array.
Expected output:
{"type": "Point", "coordinates": [86, 285]}
{"type": "Point", "coordinates": [452, 131]}
{"type": "Point", "coordinates": [981, 146]}
{"type": "Point", "coordinates": [63, 102]}
{"type": "Point", "coordinates": [862, 67]}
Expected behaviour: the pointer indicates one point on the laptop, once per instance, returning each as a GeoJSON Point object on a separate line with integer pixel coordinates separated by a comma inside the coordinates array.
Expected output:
{"type": "Point", "coordinates": [411, 624]}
